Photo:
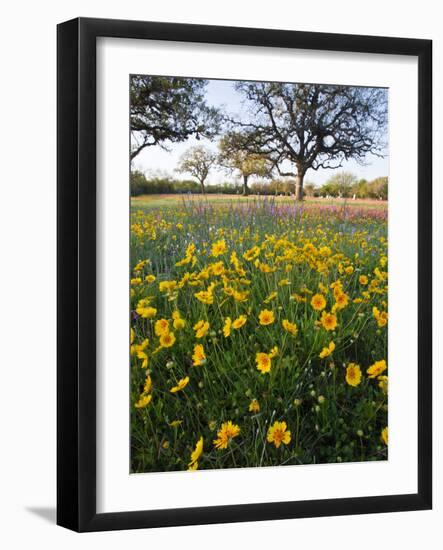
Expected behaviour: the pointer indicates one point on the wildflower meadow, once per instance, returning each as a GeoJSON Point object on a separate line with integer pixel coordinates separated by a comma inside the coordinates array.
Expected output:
{"type": "Point", "coordinates": [258, 333]}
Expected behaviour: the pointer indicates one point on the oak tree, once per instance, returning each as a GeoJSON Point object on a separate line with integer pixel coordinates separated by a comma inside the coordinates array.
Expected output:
{"type": "Point", "coordinates": [313, 126]}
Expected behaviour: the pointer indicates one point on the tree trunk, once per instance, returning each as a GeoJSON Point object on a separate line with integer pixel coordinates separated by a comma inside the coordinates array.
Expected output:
{"type": "Point", "coordinates": [299, 186]}
{"type": "Point", "coordinates": [245, 186]}
{"type": "Point", "coordinates": [202, 183]}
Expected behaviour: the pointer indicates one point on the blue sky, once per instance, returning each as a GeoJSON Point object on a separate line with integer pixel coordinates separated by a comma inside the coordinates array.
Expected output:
{"type": "Point", "coordinates": [222, 93]}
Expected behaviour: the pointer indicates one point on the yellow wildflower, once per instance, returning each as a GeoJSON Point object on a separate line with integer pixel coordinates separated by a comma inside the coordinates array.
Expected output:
{"type": "Point", "coordinates": [239, 322]}
{"type": "Point", "coordinates": [198, 356]}
{"type": "Point", "coordinates": [383, 383]}
{"type": "Point", "coordinates": [178, 322]}
{"type": "Point", "coordinates": [265, 268]}
{"type": "Point", "coordinates": [143, 401]}
{"type": "Point", "coordinates": [196, 454]}
{"type": "Point", "coordinates": [266, 317]}
{"type": "Point", "coordinates": [218, 248]}
{"type": "Point", "coordinates": [136, 348]}
{"type": "Point", "coordinates": [328, 320]}
{"type": "Point", "coordinates": [217, 268]}
{"type": "Point", "coordinates": [189, 256]}
{"type": "Point", "coordinates": [290, 327]}
{"type": "Point", "coordinates": [148, 385]}
{"type": "Point", "coordinates": [140, 266]}
{"type": "Point", "coordinates": [144, 357]}
{"type": "Point", "coordinates": [227, 432]}
{"type": "Point", "coordinates": [252, 253]}
{"type": "Point", "coordinates": [167, 340]}
{"type": "Point", "coordinates": [201, 329]}
{"type": "Point", "coordinates": [377, 368]}
{"type": "Point", "coordinates": [240, 296]}
{"type": "Point", "coordinates": [182, 383]}
{"type": "Point", "coordinates": [254, 406]}
{"type": "Point", "coordinates": [380, 316]}
{"type": "Point", "coordinates": [227, 327]}
{"type": "Point", "coordinates": [145, 310]}
{"type": "Point", "coordinates": [161, 327]}
{"type": "Point", "coordinates": [341, 300]}
{"type": "Point", "coordinates": [353, 374]}
{"type": "Point", "coordinates": [318, 302]}
{"type": "Point", "coordinates": [206, 296]}
{"type": "Point", "coordinates": [279, 434]}
{"type": "Point", "coordinates": [167, 286]}
{"type": "Point", "coordinates": [264, 362]}
{"type": "Point", "coordinates": [326, 351]}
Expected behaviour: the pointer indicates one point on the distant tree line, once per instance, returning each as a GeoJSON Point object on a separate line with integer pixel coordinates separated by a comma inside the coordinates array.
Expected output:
{"type": "Point", "coordinates": [141, 185]}
{"type": "Point", "coordinates": [344, 185]}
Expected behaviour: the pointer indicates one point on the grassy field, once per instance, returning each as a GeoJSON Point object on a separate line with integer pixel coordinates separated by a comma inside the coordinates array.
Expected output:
{"type": "Point", "coordinates": [147, 202]}
{"type": "Point", "coordinates": [258, 332]}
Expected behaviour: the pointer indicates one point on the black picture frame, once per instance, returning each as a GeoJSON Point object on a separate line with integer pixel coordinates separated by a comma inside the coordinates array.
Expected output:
{"type": "Point", "coordinates": [76, 265]}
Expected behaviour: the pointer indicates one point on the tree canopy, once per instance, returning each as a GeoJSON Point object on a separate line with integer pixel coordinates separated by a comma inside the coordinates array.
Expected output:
{"type": "Point", "coordinates": [169, 109]}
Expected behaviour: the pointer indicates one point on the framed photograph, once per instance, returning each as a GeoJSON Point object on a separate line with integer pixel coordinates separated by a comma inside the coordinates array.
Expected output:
{"type": "Point", "coordinates": [231, 205]}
